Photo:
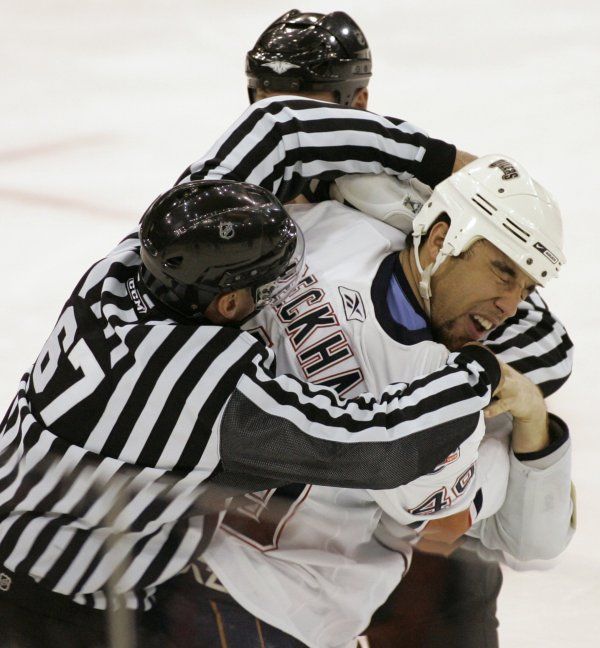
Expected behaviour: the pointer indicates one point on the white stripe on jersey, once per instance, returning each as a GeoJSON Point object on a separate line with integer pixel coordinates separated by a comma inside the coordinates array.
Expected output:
{"type": "Point", "coordinates": [313, 428]}
{"type": "Point", "coordinates": [101, 269]}
{"type": "Point", "coordinates": [522, 326]}
{"type": "Point", "coordinates": [561, 370]}
{"type": "Point", "coordinates": [281, 137]}
{"type": "Point", "coordinates": [161, 392]}
{"type": "Point", "coordinates": [197, 398]}
{"type": "Point", "coordinates": [122, 392]}
{"type": "Point", "coordinates": [265, 125]}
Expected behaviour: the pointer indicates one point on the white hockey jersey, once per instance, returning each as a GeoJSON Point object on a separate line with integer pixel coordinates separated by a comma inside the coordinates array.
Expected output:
{"type": "Point", "coordinates": [304, 558]}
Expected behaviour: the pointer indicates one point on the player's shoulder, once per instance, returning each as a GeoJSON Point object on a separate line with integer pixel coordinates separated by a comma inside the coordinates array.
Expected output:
{"type": "Point", "coordinates": [394, 361]}
{"type": "Point", "coordinates": [342, 243]}
{"type": "Point", "coordinates": [341, 217]}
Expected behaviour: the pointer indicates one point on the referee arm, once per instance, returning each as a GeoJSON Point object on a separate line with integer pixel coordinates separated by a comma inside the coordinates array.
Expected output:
{"type": "Point", "coordinates": [280, 143]}
{"type": "Point", "coordinates": [282, 428]}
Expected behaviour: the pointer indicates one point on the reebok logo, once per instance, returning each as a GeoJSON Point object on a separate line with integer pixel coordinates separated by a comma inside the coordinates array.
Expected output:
{"type": "Point", "coordinates": [354, 309]}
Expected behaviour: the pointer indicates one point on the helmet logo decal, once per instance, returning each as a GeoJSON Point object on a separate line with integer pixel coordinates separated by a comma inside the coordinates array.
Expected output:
{"type": "Point", "coordinates": [226, 230]}
{"type": "Point", "coordinates": [540, 247]}
{"type": "Point", "coordinates": [138, 302]}
{"type": "Point", "coordinates": [508, 170]}
{"type": "Point", "coordinates": [279, 67]}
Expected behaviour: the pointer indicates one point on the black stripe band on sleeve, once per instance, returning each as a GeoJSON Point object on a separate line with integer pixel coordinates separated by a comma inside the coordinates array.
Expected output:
{"type": "Point", "coordinates": [486, 359]}
{"type": "Point", "coordinates": [438, 161]}
{"type": "Point", "coordinates": [559, 433]}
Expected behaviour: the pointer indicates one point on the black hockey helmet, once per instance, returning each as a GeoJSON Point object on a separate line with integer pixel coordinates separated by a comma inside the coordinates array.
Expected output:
{"type": "Point", "coordinates": [310, 52]}
{"type": "Point", "coordinates": [208, 237]}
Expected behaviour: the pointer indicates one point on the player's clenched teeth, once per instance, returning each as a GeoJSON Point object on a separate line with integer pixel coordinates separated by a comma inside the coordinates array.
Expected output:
{"type": "Point", "coordinates": [482, 324]}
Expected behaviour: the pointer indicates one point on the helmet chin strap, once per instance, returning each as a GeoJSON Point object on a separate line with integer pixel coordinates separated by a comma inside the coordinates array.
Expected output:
{"type": "Point", "coordinates": [426, 274]}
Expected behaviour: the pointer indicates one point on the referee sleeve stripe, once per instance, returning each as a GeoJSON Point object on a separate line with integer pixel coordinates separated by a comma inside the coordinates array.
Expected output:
{"type": "Point", "coordinates": [250, 149]}
{"type": "Point", "coordinates": [316, 136]}
{"type": "Point", "coordinates": [175, 445]}
{"type": "Point", "coordinates": [122, 391]}
{"type": "Point", "coordinates": [384, 422]}
{"type": "Point", "coordinates": [546, 367]}
{"type": "Point", "coordinates": [535, 343]}
{"type": "Point", "coordinates": [161, 392]}
{"type": "Point", "coordinates": [322, 406]}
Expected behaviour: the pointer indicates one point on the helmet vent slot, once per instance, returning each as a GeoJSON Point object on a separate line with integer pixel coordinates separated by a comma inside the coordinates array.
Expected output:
{"type": "Point", "coordinates": [520, 229]}
{"type": "Point", "coordinates": [484, 204]}
{"type": "Point", "coordinates": [513, 232]}
{"type": "Point", "coordinates": [174, 262]}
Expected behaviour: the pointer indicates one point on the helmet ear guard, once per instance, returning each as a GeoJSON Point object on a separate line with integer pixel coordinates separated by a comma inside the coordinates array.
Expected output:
{"type": "Point", "coordinates": [495, 199]}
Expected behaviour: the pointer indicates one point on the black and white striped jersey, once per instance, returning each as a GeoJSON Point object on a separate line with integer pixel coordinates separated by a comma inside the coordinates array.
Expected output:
{"type": "Point", "coordinates": [131, 423]}
{"type": "Point", "coordinates": [535, 343]}
{"type": "Point", "coordinates": [282, 143]}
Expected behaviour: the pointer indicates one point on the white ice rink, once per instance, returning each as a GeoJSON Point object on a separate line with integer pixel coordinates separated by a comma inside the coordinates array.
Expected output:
{"type": "Point", "coordinates": [103, 104]}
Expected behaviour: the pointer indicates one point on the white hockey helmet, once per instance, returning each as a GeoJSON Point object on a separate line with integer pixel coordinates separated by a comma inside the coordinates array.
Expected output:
{"type": "Point", "coordinates": [495, 199]}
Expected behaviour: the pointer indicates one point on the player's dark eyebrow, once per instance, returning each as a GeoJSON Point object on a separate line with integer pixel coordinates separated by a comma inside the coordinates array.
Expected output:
{"type": "Point", "coordinates": [503, 267]}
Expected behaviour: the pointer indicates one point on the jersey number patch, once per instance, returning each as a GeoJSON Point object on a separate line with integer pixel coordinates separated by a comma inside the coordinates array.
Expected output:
{"type": "Point", "coordinates": [441, 499]}
{"type": "Point", "coordinates": [79, 354]}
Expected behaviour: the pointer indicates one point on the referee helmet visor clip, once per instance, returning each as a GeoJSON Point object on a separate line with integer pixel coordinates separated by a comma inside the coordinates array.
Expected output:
{"type": "Point", "coordinates": [273, 293]}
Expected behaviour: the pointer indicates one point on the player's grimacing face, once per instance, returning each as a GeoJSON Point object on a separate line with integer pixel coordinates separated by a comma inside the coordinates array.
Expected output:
{"type": "Point", "coordinates": [474, 293]}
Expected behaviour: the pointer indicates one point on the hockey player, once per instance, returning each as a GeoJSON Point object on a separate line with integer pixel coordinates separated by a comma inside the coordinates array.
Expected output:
{"type": "Point", "coordinates": [330, 60]}
{"type": "Point", "coordinates": [327, 57]}
{"type": "Point", "coordinates": [283, 142]}
{"type": "Point", "coordinates": [148, 404]}
{"type": "Point", "coordinates": [356, 320]}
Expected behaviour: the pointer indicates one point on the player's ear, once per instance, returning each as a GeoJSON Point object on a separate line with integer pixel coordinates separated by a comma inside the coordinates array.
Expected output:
{"type": "Point", "coordinates": [226, 305]}
{"type": "Point", "coordinates": [233, 306]}
{"type": "Point", "coordinates": [360, 99]}
{"type": "Point", "coordinates": [434, 242]}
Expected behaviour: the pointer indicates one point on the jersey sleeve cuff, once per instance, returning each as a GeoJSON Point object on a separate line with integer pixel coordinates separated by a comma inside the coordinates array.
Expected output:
{"type": "Point", "coordinates": [487, 360]}
{"type": "Point", "coordinates": [438, 161]}
{"type": "Point", "coordinates": [559, 435]}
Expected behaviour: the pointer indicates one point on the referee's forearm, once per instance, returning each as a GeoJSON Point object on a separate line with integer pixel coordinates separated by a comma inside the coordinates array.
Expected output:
{"type": "Point", "coordinates": [276, 141]}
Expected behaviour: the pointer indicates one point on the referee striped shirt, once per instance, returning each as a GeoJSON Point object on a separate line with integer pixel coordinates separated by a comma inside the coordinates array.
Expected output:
{"type": "Point", "coordinates": [132, 425]}
{"type": "Point", "coordinates": [284, 143]}
{"type": "Point", "coordinates": [280, 144]}
{"type": "Point", "coordinates": [535, 343]}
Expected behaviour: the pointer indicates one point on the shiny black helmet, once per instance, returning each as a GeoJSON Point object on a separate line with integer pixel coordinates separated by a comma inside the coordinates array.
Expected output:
{"type": "Point", "coordinates": [310, 52]}
{"type": "Point", "coordinates": [208, 237]}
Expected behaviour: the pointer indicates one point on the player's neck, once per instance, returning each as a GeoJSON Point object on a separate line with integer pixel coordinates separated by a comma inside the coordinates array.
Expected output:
{"type": "Point", "coordinates": [411, 272]}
